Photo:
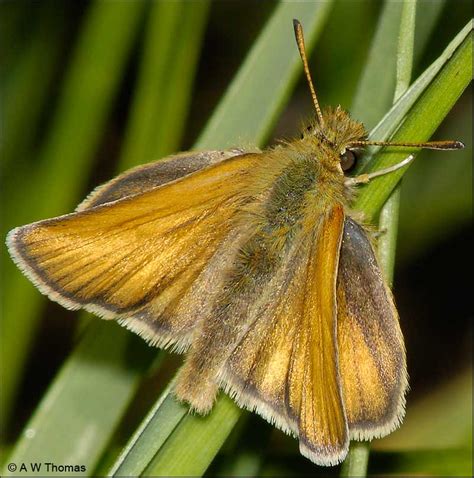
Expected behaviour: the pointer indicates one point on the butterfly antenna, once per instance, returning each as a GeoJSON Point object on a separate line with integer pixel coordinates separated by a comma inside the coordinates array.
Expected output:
{"type": "Point", "coordinates": [443, 145]}
{"type": "Point", "coordinates": [300, 42]}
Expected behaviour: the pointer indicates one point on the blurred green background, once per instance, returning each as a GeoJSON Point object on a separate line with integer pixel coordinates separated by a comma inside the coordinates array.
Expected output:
{"type": "Point", "coordinates": [91, 88]}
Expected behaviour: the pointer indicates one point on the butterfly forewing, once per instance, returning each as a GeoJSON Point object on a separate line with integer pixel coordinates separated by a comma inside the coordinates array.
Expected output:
{"type": "Point", "coordinates": [319, 406]}
{"type": "Point", "coordinates": [136, 257]}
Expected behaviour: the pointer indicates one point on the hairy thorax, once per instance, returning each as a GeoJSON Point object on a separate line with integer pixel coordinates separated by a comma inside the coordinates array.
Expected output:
{"type": "Point", "coordinates": [300, 188]}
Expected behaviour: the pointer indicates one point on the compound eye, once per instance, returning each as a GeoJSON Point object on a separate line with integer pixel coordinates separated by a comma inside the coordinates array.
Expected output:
{"type": "Point", "coordinates": [307, 130]}
{"type": "Point", "coordinates": [348, 159]}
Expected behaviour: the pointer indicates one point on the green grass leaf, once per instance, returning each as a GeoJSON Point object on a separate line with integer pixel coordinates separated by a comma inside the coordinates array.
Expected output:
{"type": "Point", "coordinates": [441, 187]}
{"type": "Point", "coordinates": [75, 420]}
{"type": "Point", "coordinates": [252, 103]}
{"type": "Point", "coordinates": [426, 115]}
{"type": "Point", "coordinates": [161, 101]}
{"type": "Point", "coordinates": [375, 91]}
{"type": "Point", "coordinates": [24, 92]}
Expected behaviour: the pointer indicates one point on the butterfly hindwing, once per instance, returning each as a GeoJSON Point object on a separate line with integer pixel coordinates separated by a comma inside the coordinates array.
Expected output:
{"type": "Point", "coordinates": [136, 258]}
{"type": "Point", "coordinates": [371, 349]}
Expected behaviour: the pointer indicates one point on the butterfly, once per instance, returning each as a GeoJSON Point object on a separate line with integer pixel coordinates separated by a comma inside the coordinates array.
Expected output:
{"type": "Point", "coordinates": [252, 264]}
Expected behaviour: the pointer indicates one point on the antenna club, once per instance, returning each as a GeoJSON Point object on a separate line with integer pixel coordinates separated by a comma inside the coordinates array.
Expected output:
{"type": "Point", "coordinates": [440, 145]}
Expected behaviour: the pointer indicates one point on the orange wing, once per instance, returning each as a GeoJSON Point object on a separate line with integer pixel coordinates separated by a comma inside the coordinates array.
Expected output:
{"type": "Point", "coordinates": [285, 366]}
{"type": "Point", "coordinates": [138, 258]}
{"type": "Point", "coordinates": [371, 350]}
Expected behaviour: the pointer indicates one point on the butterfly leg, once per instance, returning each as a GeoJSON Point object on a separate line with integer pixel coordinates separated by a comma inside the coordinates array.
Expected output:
{"type": "Point", "coordinates": [377, 233]}
{"type": "Point", "coordinates": [365, 178]}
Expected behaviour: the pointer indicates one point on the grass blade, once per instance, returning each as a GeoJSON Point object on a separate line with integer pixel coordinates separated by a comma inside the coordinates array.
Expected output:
{"type": "Point", "coordinates": [389, 214]}
{"type": "Point", "coordinates": [375, 91]}
{"type": "Point", "coordinates": [158, 113]}
{"type": "Point", "coordinates": [356, 462]}
{"type": "Point", "coordinates": [24, 92]}
{"type": "Point", "coordinates": [239, 117]}
{"type": "Point", "coordinates": [64, 429]}
{"type": "Point", "coordinates": [428, 112]}
{"type": "Point", "coordinates": [179, 454]}
{"type": "Point", "coordinates": [443, 193]}
{"type": "Point", "coordinates": [406, 46]}
{"type": "Point", "coordinates": [395, 115]}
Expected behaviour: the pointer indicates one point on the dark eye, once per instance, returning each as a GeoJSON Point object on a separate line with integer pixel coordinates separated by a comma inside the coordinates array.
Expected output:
{"type": "Point", "coordinates": [348, 159]}
{"type": "Point", "coordinates": [307, 130]}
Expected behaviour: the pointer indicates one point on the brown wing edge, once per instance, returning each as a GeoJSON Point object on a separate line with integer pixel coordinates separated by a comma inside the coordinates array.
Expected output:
{"type": "Point", "coordinates": [247, 401]}
{"type": "Point", "coordinates": [356, 246]}
{"type": "Point", "coordinates": [17, 253]}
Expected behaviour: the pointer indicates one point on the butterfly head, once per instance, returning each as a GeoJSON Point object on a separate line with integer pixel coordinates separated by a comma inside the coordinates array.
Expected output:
{"type": "Point", "coordinates": [337, 133]}
{"type": "Point", "coordinates": [333, 128]}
